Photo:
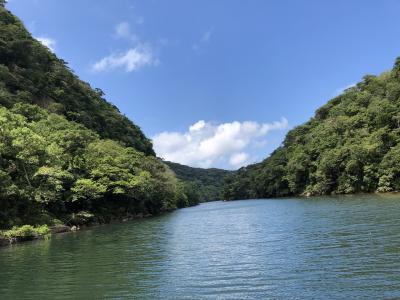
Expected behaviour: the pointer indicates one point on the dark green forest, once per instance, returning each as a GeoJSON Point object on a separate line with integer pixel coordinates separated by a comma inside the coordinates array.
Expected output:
{"type": "Point", "coordinates": [208, 182]}
{"type": "Point", "coordinates": [67, 156]}
{"type": "Point", "coordinates": [351, 145]}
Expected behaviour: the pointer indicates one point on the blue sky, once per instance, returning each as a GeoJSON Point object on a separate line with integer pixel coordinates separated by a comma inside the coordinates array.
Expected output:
{"type": "Point", "coordinates": [218, 83]}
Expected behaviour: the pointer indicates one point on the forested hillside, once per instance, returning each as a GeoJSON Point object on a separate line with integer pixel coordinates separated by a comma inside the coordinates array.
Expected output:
{"type": "Point", "coordinates": [54, 170]}
{"type": "Point", "coordinates": [351, 145]}
{"type": "Point", "coordinates": [30, 73]}
{"type": "Point", "coordinates": [67, 156]}
{"type": "Point", "coordinates": [208, 182]}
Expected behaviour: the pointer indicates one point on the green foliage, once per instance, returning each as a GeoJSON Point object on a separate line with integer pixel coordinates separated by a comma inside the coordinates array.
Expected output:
{"type": "Point", "coordinates": [81, 218]}
{"type": "Point", "coordinates": [30, 73]}
{"type": "Point", "coordinates": [189, 195]}
{"type": "Point", "coordinates": [26, 232]}
{"type": "Point", "coordinates": [66, 154]}
{"type": "Point", "coordinates": [52, 168]}
{"type": "Point", "coordinates": [208, 183]}
{"type": "Point", "coordinates": [351, 145]}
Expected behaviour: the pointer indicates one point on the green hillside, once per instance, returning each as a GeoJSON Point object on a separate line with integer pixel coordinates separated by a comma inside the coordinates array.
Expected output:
{"type": "Point", "coordinates": [67, 156]}
{"type": "Point", "coordinates": [30, 73]}
{"type": "Point", "coordinates": [351, 145]}
{"type": "Point", "coordinates": [208, 182]}
{"type": "Point", "coordinates": [54, 170]}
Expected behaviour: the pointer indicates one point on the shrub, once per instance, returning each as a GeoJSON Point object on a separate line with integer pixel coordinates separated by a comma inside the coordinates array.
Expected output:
{"type": "Point", "coordinates": [26, 232]}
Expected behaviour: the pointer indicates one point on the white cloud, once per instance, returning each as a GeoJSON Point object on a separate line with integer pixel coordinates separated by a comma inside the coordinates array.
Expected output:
{"type": "Point", "coordinates": [238, 159]}
{"type": "Point", "coordinates": [206, 144]}
{"type": "Point", "coordinates": [140, 20]}
{"type": "Point", "coordinates": [48, 42]}
{"type": "Point", "coordinates": [131, 60]}
{"type": "Point", "coordinates": [123, 31]}
{"type": "Point", "coordinates": [342, 89]}
{"type": "Point", "coordinates": [205, 38]}
{"type": "Point", "coordinates": [137, 56]}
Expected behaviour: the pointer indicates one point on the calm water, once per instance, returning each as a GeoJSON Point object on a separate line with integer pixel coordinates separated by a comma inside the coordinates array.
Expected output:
{"type": "Point", "coordinates": [321, 248]}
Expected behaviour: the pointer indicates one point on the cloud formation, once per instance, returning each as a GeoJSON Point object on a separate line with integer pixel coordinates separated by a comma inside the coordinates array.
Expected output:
{"type": "Point", "coordinates": [238, 159]}
{"type": "Point", "coordinates": [123, 31]}
{"type": "Point", "coordinates": [137, 56]}
{"type": "Point", "coordinates": [131, 60]}
{"type": "Point", "coordinates": [48, 42]}
{"type": "Point", "coordinates": [205, 38]}
{"type": "Point", "coordinates": [206, 144]}
{"type": "Point", "coordinates": [342, 89]}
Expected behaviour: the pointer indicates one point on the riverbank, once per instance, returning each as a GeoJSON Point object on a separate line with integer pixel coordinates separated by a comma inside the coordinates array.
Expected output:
{"type": "Point", "coordinates": [29, 234]}
{"type": "Point", "coordinates": [310, 195]}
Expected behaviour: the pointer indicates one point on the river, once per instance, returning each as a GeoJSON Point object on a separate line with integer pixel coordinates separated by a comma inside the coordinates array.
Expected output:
{"type": "Point", "coordinates": [316, 248]}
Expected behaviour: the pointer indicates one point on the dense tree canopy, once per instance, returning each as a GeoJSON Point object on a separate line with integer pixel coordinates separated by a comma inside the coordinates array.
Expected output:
{"type": "Point", "coordinates": [53, 170]}
{"type": "Point", "coordinates": [351, 145]}
{"type": "Point", "coordinates": [208, 182]}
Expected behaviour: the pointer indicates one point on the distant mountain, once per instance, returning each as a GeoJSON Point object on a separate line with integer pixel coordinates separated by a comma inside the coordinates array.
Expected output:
{"type": "Point", "coordinates": [351, 145]}
{"type": "Point", "coordinates": [30, 73]}
{"type": "Point", "coordinates": [208, 182]}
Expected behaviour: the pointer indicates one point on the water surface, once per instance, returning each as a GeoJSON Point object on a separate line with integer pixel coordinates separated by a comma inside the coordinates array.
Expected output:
{"type": "Point", "coordinates": [319, 248]}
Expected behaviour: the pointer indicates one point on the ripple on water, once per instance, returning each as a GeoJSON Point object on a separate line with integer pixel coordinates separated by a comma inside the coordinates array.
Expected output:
{"type": "Point", "coordinates": [319, 248]}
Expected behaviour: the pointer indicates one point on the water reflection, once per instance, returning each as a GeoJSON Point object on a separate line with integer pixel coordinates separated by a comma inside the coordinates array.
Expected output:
{"type": "Point", "coordinates": [321, 248]}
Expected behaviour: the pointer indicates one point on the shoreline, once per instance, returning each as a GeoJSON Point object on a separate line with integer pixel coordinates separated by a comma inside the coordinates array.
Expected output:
{"type": "Point", "coordinates": [62, 229]}
{"type": "Point", "coordinates": [304, 196]}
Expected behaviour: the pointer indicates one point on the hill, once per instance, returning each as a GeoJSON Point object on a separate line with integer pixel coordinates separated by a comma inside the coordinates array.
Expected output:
{"type": "Point", "coordinates": [67, 156]}
{"type": "Point", "coordinates": [31, 73]}
{"type": "Point", "coordinates": [351, 145]}
{"type": "Point", "coordinates": [208, 182]}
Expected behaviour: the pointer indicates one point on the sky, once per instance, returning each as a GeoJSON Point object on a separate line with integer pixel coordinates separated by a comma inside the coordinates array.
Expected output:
{"type": "Point", "coordinates": [217, 83]}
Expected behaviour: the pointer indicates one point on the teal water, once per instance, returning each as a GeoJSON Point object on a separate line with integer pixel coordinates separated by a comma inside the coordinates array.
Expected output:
{"type": "Point", "coordinates": [319, 248]}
